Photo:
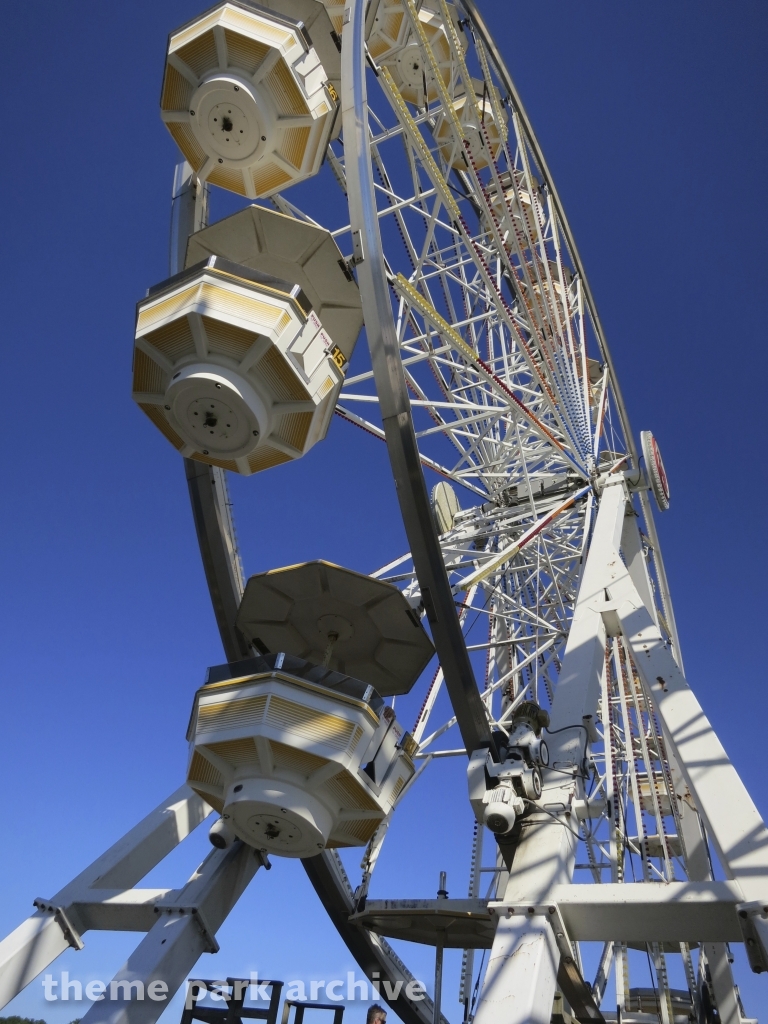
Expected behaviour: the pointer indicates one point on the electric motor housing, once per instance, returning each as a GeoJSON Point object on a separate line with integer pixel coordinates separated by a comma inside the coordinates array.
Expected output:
{"type": "Point", "coordinates": [500, 791]}
{"type": "Point", "coordinates": [502, 808]}
{"type": "Point", "coordinates": [296, 758]}
{"type": "Point", "coordinates": [247, 99]}
{"type": "Point", "coordinates": [521, 774]}
{"type": "Point", "coordinates": [525, 742]}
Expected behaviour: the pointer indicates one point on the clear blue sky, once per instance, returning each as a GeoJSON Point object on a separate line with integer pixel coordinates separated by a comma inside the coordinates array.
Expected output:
{"type": "Point", "coordinates": [652, 117]}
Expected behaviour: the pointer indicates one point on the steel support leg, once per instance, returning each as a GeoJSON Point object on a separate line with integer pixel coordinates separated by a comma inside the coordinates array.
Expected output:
{"type": "Point", "coordinates": [722, 982]}
{"type": "Point", "coordinates": [730, 817]}
{"type": "Point", "coordinates": [520, 983]}
{"type": "Point", "coordinates": [36, 943]}
{"type": "Point", "coordinates": [185, 929]}
{"type": "Point", "coordinates": [716, 953]}
{"type": "Point", "coordinates": [694, 840]}
{"type": "Point", "coordinates": [521, 978]}
{"type": "Point", "coordinates": [728, 812]}
{"type": "Point", "coordinates": [27, 951]}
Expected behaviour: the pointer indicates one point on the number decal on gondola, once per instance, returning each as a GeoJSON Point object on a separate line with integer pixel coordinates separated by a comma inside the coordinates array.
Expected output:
{"type": "Point", "coordinates": [338, 357]}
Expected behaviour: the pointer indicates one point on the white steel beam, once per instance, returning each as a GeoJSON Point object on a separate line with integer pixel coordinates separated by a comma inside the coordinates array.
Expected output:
{"type": "Point", "coordinates": [732, 821]}
{"type": "Point", "coordinates": [628, 912]}
{"type": "Point", "coordinates": [520, 983]}
{"type": "Point", "coordinates": [117, 910]}
{"type": "Point", "coordinates": [642, 912]}
{"type": "Point", "coordinates": [722, 982]}
{"type": "Point", "coordinates": [634, 559]}
{"type": "Point", "coordinates": [132, 857]}
{"type": "Point", "coordinates": [521, 974]}
{"type": "Point", "coordinates": [27, 951]}
{"type": "Point", "coordinates": [185, 928]}
{"type": "Point", "coordinates": [36, 943]}
{"type": "Point", "coordinates": [578, 687]}
{"type": "Point", "coordinates": [697, 860]}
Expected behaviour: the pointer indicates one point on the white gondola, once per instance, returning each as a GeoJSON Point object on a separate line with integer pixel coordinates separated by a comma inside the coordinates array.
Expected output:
{"type": "Point", "coordinates": [478, 125]}
{"type": "Point", "coordinates": [294, 753]}
{"type": "Point", "coordinates": [282, 758]}
{"type": "Point", "coordinates": [239, 362]}
{"type": "Point", "coordinates": [247, 98]}
{"type": "Point", "coordinates": [393, 43]}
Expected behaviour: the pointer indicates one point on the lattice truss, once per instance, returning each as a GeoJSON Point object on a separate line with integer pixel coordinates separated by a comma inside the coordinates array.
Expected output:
{"type": "Point", "coordinates": [489, 309]}
{"type": "Point", "coordinates": [514, 572]}
{"type": "Point", "coordinates": [635, 834]}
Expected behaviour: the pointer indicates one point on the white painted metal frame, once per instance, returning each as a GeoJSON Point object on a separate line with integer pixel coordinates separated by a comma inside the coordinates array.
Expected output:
{"type": "Point", "coordinates": [180, 923]}
{"type": "Point", "coordinates": [611, 616]}
{"type": "Point", "coordinates": [554, 576]}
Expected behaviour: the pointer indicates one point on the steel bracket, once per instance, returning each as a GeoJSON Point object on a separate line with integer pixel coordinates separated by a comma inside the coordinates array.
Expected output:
{"type": "Point", "coordinates": [208, 934]}
{"type": "Point", "coordinates": [753, 921]}
{"type": "Point", "coordinates": [71, 933]}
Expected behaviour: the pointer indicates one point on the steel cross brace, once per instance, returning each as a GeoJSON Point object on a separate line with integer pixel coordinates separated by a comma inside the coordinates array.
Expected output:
{"type": "Point", "coordinates": [633, 912]}
{"type": "Point", "coordinates": [638, 912]}
{"type": "Point", "coordinates": [180, 923]}
{"type": "Point", "coordinates": [523, 965]}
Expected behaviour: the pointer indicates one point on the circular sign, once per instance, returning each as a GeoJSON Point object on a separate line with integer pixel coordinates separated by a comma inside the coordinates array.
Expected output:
{"type": "Point", "coordinates": [657, 476]}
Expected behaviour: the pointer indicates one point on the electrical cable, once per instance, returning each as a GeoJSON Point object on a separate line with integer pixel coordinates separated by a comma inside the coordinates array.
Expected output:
{"type": "Point", "coordinates": [475, 990]}
{"type": "Point", "coordinates": [634, 483]}
{"type": "Point", "coordinates": [592, 782]}
{"type": "Point", "coordinates": [562, 771]}
{"type": "Point", "coordinates": [653, 980]}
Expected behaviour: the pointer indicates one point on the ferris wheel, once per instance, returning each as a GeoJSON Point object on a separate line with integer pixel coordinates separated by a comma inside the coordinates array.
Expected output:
{"type": "Point", "coordinates": [595, 785]}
